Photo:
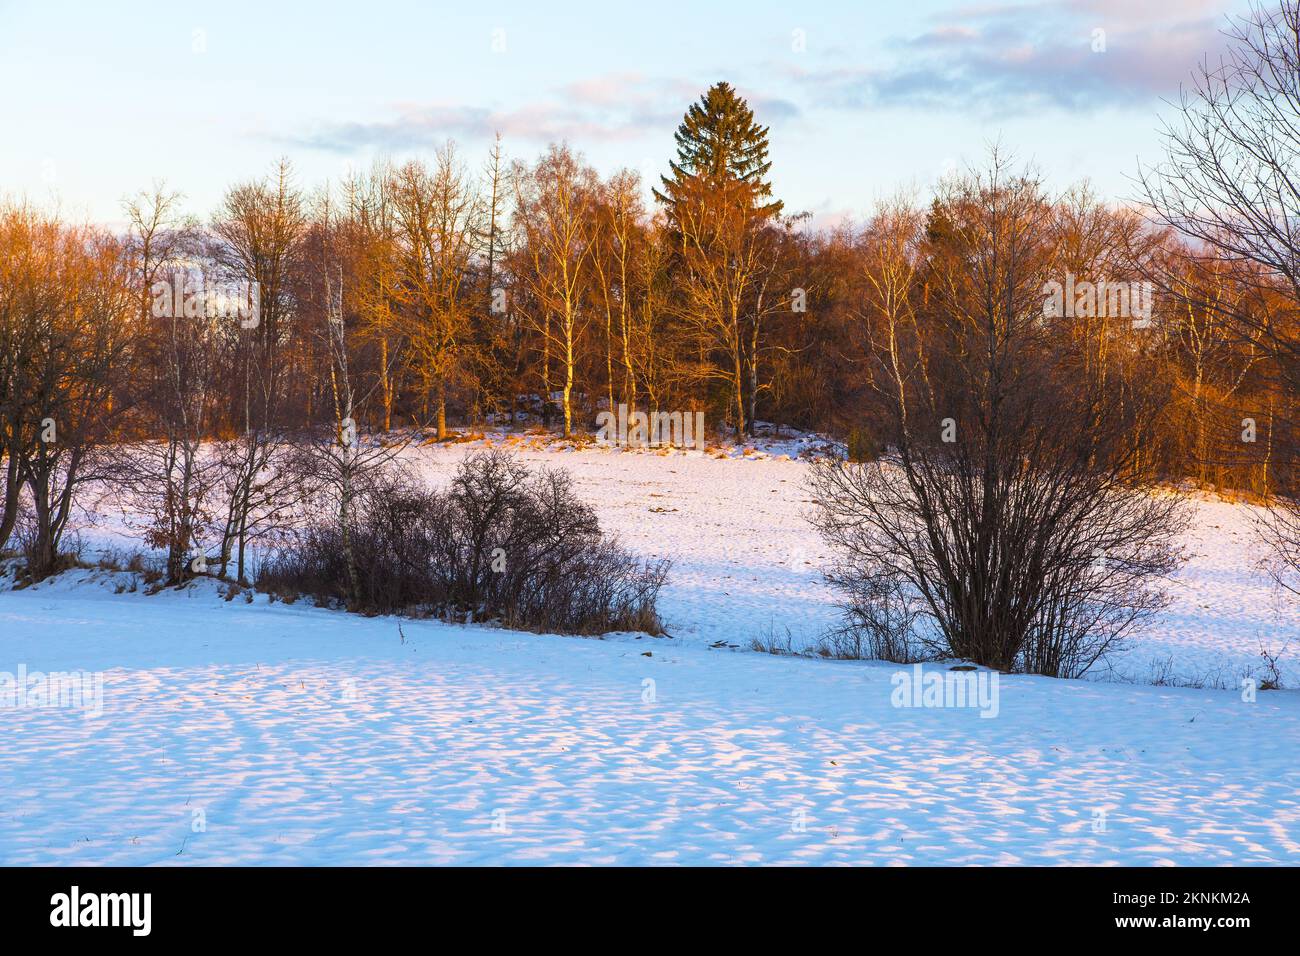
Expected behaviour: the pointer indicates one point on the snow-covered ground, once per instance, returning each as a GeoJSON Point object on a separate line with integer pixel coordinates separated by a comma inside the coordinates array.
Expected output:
{"type": "Point", "coordinates": [235, 732]}
{"type": "Point", "coordinates": [747, 564]}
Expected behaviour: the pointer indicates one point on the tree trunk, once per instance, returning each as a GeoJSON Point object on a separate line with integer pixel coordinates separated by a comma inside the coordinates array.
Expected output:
{"type": "Point", "coordinates": [385, 385]}
{"type": "Point", "coordinates": [568, 387]}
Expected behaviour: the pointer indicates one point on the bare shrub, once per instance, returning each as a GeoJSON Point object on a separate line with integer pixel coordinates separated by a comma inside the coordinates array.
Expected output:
{"type": "Point", "coordinates": [882, 618]}
{"type": "Point", "coordinates": [394, 530]}
{"type": "Point", "coordinates": [1048, 577]}
{"type": "Point", "coordinates": [38, 564]}
{"type": "Point", "coordinates": [165, 489]}
{"type": "Point", "coordinates": [500, 544]}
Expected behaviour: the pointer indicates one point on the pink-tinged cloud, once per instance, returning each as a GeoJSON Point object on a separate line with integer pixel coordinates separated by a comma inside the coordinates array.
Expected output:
{"type": "Point", "coordinates": [1018, 59]}
{"type": "Point", "coordinates": [612, 108]}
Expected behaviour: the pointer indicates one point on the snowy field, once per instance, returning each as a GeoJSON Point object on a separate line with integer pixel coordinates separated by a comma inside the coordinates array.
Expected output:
{"type": "Point", "coordinates": [271, 734]}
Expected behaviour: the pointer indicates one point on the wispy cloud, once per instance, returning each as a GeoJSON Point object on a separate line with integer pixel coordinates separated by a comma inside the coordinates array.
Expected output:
{"type": "Point", "coordinates": [610, 108]}
{"type": "Point", "coordinates": [994, 60]}
{"type": "Point", "coordinates": [1010, 59]}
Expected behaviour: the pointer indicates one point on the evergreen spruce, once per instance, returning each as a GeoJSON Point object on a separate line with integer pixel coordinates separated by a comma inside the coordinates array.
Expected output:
{"type": "Point", "coordinates": [720, 145]}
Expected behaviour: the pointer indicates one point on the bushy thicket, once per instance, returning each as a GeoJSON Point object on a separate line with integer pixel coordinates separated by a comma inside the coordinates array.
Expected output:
{"type": "Point", "coordinates": [501, 543]}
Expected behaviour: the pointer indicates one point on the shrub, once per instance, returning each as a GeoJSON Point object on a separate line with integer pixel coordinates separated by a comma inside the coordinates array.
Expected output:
{"type": "Point", "coordinates": [500, 544]}
{"type": "Point", "coordinates": [38, 562]}
{"type": "Point", "coordinates": [883, 620]}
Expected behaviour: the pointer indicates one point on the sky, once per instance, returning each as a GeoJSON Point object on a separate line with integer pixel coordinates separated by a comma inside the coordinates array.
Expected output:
{"type": "Point", "coordinates": [864, 99]}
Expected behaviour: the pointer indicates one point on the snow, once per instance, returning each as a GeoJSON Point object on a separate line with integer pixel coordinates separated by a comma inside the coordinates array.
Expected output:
{"type": "Point", "coordinates": [747, 564]}
{"type": "Point", "coordinates": [260, 733]}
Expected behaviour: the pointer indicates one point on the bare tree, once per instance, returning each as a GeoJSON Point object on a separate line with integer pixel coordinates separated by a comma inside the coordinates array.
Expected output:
{"type": "Point", "coordinates": [260, 230]}
{"type": "Point", "coordinates": [370, 225]}
{"type": "Point", "coordinates": [727, 252]}
{"type": "Point", "coordinates": [620, 236]}
{"type": "Point", "coordinates": [29, 304]}
{"type": "Point", "coordinates": [1229, 184]}
{"type": "Point", "coordinates": [167, 479]}
{"type": "Point", "coordinates": [336, 467]}
{"type": "Point", "coordinates": [437, 216]}
{"type": "Point", "coordinates": [82, 350]}
{"type": "Point", "coordinates": [553, 202]}
{"type": "Point", "coordinates": [1005, 524]}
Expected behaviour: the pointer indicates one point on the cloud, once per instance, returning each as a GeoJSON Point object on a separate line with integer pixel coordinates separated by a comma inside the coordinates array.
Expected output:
{"type": "Point", "coordinates": [992, 60]}
{"type": "Point", "coordinates": [610, 108]}
{"type": "Point", "coordinates": [1075, 55]}
{"type": "Point", "coordinates": [424, 126]}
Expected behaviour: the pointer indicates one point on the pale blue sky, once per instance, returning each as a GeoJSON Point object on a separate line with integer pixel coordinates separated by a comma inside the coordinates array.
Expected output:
{"type": "Point", "coordinates": [100, 99]}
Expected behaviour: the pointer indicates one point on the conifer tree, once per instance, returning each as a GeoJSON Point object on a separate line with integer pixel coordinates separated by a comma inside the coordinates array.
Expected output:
{"type": "Point", "coordinates": [720, 145]}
